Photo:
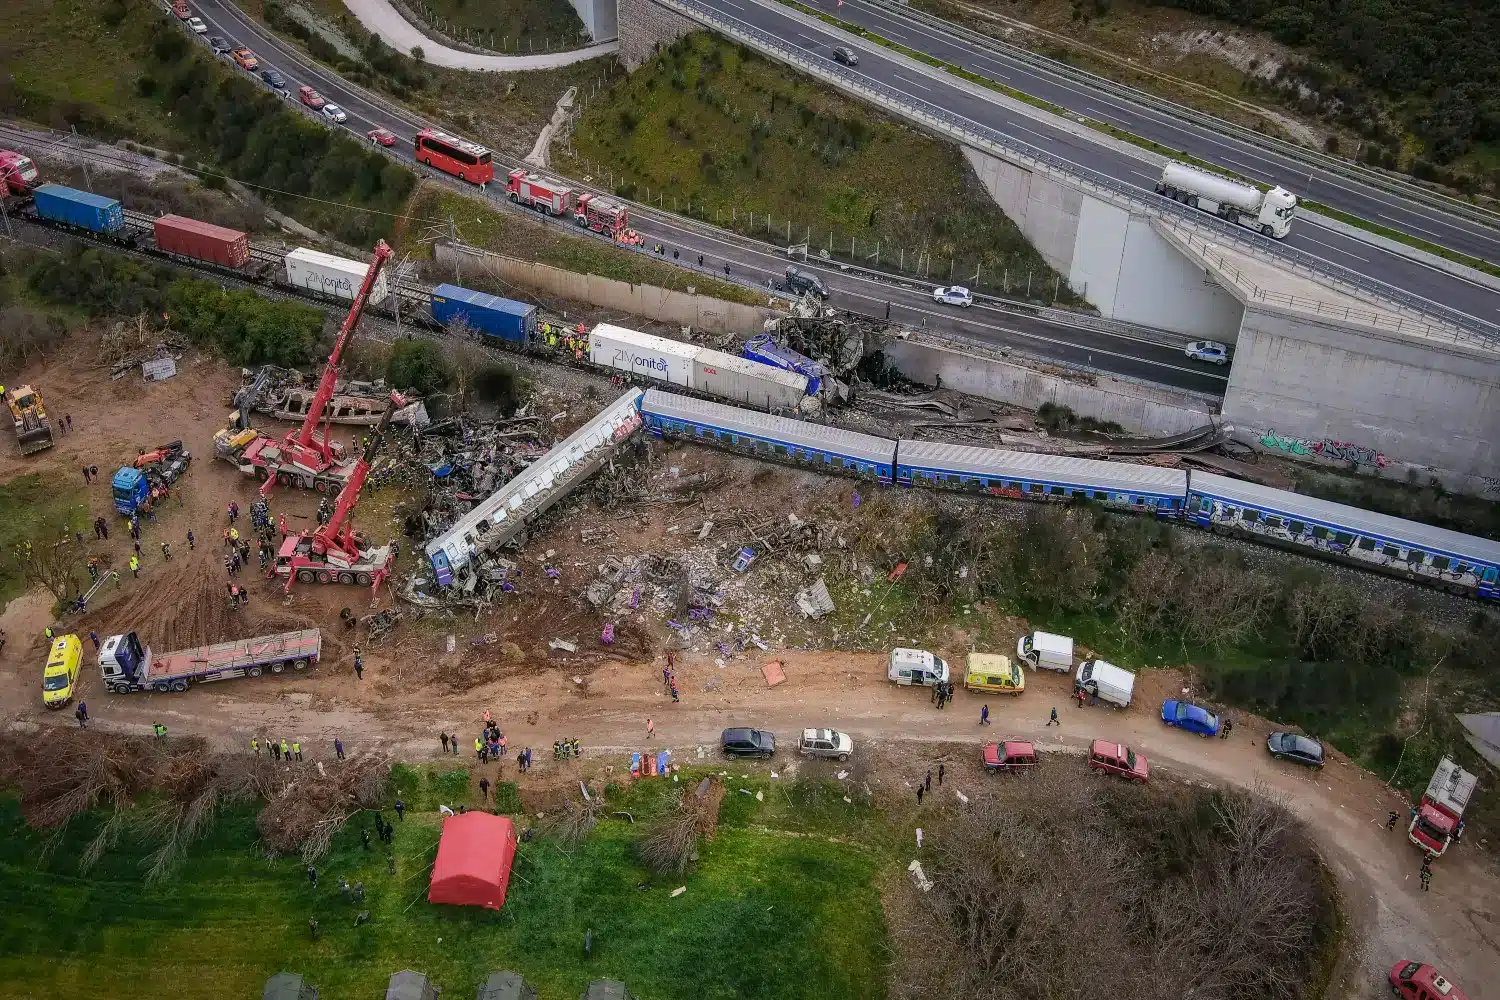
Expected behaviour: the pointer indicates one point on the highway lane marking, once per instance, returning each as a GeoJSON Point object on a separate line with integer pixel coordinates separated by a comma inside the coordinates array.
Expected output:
{"type": "Point", "coordinates": [1397, 224]}
{"type": "Point", "coordinates": [728, 3]}
{"type": "Point", "coordinates": [1105, 115]}
{"type": "Point", "coordinates": [914, 83]}
{"type": "Point", "coordinates": [1335, 251]}
{"type": "Point", "coordinates": [1150, 178]}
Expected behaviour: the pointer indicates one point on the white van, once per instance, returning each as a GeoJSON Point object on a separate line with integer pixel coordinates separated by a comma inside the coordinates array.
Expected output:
{"type": "Point", "coordinates": [918, 667]}
{"type": "Point", "coordinates": [1105, 681]}
{"type": "Point", "coordinates": [1043, 649]}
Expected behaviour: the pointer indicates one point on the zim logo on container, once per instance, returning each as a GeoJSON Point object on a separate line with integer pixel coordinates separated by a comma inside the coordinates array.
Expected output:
{"type": "Point", "coordinates": [636, 361]}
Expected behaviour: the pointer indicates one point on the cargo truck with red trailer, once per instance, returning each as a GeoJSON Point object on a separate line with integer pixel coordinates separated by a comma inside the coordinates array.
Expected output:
{"type": "Point", "coordinates": [602, 215]}
{"type": "Point", "coordinates": [127, 665]}
{"type": "Point", "coordinates": [197, 240]}
{"type": "Point", "coordinates": [1441, 810]}
{"type": "Point", "coordinates": [545, 194]}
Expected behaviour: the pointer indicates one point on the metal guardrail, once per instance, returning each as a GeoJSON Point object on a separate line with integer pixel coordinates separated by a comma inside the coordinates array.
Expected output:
{"type": "Point", "coordinates": [1303, 154]}
{"type": "Point", "coordinates": [991, 140]}
{"type": "Point", "coordinates": [1395, 322]}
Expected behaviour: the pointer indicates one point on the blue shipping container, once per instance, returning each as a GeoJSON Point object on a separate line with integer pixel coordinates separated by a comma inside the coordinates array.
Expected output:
{"type": "Point", "coordinates": [489, 314]}
{"type": "Point", "coordinates": [93, 212]}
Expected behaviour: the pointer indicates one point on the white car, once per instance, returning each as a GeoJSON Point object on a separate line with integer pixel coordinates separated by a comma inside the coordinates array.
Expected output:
{"type": "Point", "coordinates": [334, 113]}
{"type": "Point", "coordinates": [825, 743]}
{"type": "Point", "coordinates": [953, 295]}
{"type": "Point", "coordinates": [196, 23]}
{"type": "Point", "coordinates": [1208, 350]}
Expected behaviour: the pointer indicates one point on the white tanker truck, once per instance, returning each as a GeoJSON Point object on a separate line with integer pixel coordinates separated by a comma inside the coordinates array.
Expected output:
{"type": "Point", "coordinates": [1268, 212]}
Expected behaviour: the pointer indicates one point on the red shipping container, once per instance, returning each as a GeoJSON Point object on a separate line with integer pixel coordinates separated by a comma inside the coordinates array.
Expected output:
{"type": "Point", "coordinates": [202, 241]}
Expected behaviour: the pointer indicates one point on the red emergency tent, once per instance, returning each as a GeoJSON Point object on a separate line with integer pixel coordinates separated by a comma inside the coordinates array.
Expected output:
{"type": "Point", "coordinates": [473, 861]}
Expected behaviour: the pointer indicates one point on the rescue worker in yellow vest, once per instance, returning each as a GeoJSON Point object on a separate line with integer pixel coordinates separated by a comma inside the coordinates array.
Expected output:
{"type": "Point", "coordinates": [255, 746]}
{"type": "Point", "coordinates": [286, 751]}
{"type": "Point", "coordinates": [297, 750]}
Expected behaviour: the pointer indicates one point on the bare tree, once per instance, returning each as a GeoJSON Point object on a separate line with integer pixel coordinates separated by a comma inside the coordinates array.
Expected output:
{"type": "Point", "coordinates": [57, 565]}
{"type": "Point", "coordinates": [1043, 886]}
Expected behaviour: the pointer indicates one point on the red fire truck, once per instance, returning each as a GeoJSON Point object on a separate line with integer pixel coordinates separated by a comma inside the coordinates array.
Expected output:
{"type": "Point", "coordinates": [602, 215]}
{"type": "Point", "coordinates": [1438, 816]}
{"type": "Point", "coordinates": [545, 194]}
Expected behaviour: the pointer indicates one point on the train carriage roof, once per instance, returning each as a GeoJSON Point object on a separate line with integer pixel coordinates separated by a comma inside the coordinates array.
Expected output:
{"type": "Point", "coordinates": [1352, 519]}
{"type": "Point", "coordinates": [799, 433]}
{"type": "Point", "coordinates": [1088, 473]}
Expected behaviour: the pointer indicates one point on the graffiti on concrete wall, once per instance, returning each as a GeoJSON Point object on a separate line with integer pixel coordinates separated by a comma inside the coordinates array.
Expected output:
{"type": "Point", "coordinates": [1491, 486]}
{"type": "Point", "coordinates": [1334, 451]}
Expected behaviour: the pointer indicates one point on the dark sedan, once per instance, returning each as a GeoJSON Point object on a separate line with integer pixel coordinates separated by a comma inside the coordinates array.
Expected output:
{"type": "Point", "coordinates": [748, 743]}
{"type": "Point", "coordinates": [1298, 749]}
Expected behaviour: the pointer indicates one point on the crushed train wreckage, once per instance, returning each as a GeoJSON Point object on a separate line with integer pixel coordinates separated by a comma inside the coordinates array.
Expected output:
{"type": "Point", "coordinates": [286, 394]}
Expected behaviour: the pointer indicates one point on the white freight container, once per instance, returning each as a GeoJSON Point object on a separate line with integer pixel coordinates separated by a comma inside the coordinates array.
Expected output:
{"type": "Point", "coordinates": [330, 275]}
{"type": "Point", "coordinates": [643, 354]}
{"type": "Point", "coordinates": [1045, 649]}
{"type": "Point", "coordinates": [1106, 682]}
{"type": "Point", "coordinates": [731, 377]}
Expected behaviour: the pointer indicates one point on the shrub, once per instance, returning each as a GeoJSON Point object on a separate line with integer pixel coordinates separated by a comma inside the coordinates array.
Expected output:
{"type": "Point", "coordinates": [417, 366]}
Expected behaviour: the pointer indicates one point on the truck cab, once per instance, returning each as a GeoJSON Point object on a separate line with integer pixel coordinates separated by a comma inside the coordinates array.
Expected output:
{"type": "Point", "coordinates": [124, 662]}
{"type": "Point", "coordinates": [1442, 807]}
{"type": "Point", "coordinates": [129, 489]}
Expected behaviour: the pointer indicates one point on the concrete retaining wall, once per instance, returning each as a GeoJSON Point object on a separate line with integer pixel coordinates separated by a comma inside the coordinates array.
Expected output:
{"type": "Point", "coordinates": [1357, 391]}
{"type": "Point", "coordinates": [1136, 408]}
{"type": "Point", "coordinates": [599, 18]}
{"type": "Point", "coordinates": [1115, 260]}
{"type": "Point", "coordinates": [701, 312]}
{"type": "Point", "coordinates": [645, 27]}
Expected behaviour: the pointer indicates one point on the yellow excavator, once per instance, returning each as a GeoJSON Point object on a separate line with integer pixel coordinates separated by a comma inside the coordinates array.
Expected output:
{"type": "Point", "coordinates": [33, 431]}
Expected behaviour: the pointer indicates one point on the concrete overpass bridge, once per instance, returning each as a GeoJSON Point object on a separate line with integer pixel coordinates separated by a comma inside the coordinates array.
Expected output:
{"type": "Point", "coordinates": [1354, 344]}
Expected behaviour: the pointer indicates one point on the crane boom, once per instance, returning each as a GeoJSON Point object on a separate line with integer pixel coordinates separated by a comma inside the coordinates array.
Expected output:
{"type": "Point", "coordinates": [305, 436]}
{"type": "Point", "coordinates": [338, 533]}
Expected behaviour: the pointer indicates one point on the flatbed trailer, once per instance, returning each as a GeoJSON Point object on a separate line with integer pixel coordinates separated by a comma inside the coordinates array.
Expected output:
{"type": "Point", "coordinates": [127, 665]}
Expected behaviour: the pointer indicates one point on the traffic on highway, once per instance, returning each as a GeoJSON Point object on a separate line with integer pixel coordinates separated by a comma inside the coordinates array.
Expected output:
{"type": "Point", "coordinates": [376, 120]}
{"type": "Point", "coordinates": [1094, 151]}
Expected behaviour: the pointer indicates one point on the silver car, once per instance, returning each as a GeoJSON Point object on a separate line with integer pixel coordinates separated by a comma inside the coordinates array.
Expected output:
{"type": "Point", "coordinates": [825, 743]}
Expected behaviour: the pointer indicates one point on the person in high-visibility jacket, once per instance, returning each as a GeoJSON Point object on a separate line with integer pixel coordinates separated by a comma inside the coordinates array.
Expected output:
{"type": "Point", "coordinates": [286, 751]}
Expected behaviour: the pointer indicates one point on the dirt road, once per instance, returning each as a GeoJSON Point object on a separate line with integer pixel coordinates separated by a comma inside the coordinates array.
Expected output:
{"type": "Point", "coordinates": [1456, 925]}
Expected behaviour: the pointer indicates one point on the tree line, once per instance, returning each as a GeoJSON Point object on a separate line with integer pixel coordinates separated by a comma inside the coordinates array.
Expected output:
{"type": "Point", "coordinates": [254, 136]}
{"type": "Point", "coordinates": [240, 325]}
{"type": "Point", "coordinates": [1440, 52]}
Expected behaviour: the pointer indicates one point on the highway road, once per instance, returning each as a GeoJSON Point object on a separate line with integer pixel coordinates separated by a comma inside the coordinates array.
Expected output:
{"type": "Point", "coordinates": [856, 291]}
{"type": "Point", "coordinates": [879, 64]}
{"type": "Point", "coordinates": [1238, 155]}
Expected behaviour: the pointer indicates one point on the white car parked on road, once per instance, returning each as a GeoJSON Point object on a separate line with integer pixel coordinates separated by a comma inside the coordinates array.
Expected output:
{"type": "Point", "coordinates": [953, 295]}
{"type": "Point", "coordinates": [1208, 350]}
{"type": "Point", "coordinates": [196, 23]}
{"type": "Point", "coordinates": [334, 113]}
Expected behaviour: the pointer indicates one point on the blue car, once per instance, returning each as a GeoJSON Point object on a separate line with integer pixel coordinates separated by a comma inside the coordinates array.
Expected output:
{"type": "Point", "coordinates": [1185, 715]}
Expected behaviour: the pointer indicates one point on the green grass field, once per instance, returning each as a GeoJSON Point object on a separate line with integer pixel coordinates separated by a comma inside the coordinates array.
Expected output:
{"type": "Point", "coordinates": [35, 508]}
{"type": "Point", "coordinates": [558, 244]}
{"type": "Point", "coordinates": [738, 137]}
{"type": "Point", "coordinates": [770, 911]}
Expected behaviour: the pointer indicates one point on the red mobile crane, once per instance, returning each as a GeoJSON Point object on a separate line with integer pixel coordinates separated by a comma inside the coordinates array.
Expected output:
{"type": "Point", "coordinates": [334, 552]}
{"type": "Point", "coordinates": [305, 457]}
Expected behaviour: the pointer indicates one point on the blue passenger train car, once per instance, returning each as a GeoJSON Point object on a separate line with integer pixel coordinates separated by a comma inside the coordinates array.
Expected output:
{"type": "Point", "coordinates": [1029, 476]}
{"type": "Point", "coordinates": [761, 435]}
{"type": "Point", "coordinates": [1453, 561]}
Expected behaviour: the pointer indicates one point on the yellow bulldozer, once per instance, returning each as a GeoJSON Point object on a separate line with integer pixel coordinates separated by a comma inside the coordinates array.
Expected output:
{"type": "Point", "coordinates": [33, 431]}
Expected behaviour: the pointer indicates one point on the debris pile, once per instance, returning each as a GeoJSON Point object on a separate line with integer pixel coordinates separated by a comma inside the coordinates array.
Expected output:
{"type": "Point", "coordinates": [285, 393]}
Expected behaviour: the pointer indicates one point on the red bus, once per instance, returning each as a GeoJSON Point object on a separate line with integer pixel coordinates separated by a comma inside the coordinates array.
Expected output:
{"type": "Point", "coordinates": [456, 156]}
